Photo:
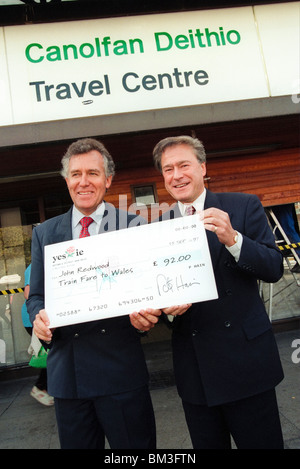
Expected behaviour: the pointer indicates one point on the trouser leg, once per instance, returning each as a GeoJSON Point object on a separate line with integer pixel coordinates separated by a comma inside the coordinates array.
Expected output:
{"type": "Point", "coordinates": [128, 419]}
{"type": "Point", "coordinates": [78, 425]}
{"type": "Point", "coordinates": [255, 423]}
{"type": "Point", "coordinates": [207, 427]}
{"type": "Point", "coordinates": [41, 382]}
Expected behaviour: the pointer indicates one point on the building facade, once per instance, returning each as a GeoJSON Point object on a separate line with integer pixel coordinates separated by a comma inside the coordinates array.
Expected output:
{"type": "Point", "coordinates": [229, 76]}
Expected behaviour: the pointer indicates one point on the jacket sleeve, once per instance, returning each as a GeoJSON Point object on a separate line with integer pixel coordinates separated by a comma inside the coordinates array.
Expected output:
{"type": "Point", "coordinates": [35, 301]}
{"type": "Point", "coordinates": [260, 256]}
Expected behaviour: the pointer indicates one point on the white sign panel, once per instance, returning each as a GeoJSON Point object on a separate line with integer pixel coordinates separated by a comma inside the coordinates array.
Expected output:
{"type": "Point", "coordinates": [116, 65]}
{"type": "Point", "coordinates": [109, 66]}
{"type": "Point", "coordinates": [279, 30]}
{"type": "Point", "coordinates": [5, 102]}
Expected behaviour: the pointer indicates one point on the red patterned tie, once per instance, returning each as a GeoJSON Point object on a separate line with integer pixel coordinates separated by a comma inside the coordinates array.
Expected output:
{"type": "Point", "coordinates": [190, 210]}
{"type": "Point", "coordinates": [85, 223]}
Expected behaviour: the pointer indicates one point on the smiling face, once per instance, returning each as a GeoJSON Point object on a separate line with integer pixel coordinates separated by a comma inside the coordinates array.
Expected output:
{"type": "Point", "coordinates": [183, 173]}
{"type": "Point", "coordinates": [86, 181]}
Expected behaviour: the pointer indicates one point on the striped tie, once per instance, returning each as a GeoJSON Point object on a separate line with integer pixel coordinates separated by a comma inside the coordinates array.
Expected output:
{"type": "Point", "coordinates": [190, 210]}
{"type": "Point", "coordinates": [85, 223]}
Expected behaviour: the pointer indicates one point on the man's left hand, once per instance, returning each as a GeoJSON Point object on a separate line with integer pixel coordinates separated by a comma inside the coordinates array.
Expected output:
{"type": "Point", "coordinates": [218, 222]}
{"type": "Point", "coordinates": [177, 310]}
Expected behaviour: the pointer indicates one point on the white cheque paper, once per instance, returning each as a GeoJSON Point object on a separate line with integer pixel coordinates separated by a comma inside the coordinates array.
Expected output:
{"type": "Point", "coordinates": [116, 273]}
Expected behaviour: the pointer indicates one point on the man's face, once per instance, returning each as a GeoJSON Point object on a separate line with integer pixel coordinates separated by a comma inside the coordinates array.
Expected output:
{"type": "Point", "coordinates": [182, 172]}
{"type": "Point", "coordinates": [86, 181]}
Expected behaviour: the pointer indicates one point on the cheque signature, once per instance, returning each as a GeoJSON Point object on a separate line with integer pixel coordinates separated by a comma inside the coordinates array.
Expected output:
{"type": "Point", "coordinates": [169, 285]}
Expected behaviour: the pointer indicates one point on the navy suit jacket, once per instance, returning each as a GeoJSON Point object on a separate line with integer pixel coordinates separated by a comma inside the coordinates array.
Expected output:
{"type": "Point", "coordinates": [92, 359]}
{"type": "Point", "coordinates": [224, 350]}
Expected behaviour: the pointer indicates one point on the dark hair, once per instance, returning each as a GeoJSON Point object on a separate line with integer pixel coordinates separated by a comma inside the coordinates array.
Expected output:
{"type": "Point", "coordinates": [194, 143]}
{"type": "Point", "coordinates": [86, 145]}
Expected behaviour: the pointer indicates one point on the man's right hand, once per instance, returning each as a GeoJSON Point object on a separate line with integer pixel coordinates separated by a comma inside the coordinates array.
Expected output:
{"type": "Point", "coordinates": [41, 326]}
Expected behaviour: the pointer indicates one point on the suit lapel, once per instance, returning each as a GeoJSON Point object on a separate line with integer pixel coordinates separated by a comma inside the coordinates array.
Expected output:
{"type": "Point", "coordinates": [64, 228]}
{"type": "Point", "coordinates": [211, 200]}
{"type": "Point", "coordinates": [110, 220]}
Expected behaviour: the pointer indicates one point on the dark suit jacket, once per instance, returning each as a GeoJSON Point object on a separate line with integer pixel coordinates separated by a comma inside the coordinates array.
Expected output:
{"type": "Point", "coordinates": [91, 359]}
{"type": "Point", "coordinates": [224, 350]}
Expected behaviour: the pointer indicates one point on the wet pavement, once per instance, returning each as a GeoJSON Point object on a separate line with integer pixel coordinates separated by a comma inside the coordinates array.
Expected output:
{"type": "Point", "coordinates": [27, 424]}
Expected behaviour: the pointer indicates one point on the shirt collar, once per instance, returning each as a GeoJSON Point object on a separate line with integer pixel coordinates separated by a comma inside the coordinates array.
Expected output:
{"type": "Point", "coordinates": [97, 215]}
{"type": "Point", "coordinates": [198, 204]}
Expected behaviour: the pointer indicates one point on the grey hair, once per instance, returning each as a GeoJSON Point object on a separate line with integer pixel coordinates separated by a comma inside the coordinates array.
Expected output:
{"type": "Point", "coordinates": [194, 143]}
{"type": "Point", "coordinates": [86, 145]}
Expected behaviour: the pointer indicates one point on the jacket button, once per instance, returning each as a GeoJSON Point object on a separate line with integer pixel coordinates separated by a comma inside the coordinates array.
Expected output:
{"type": "Point", "coordinates": [194, 333]}
{"type": "Point", "coordinates": [76, 335]}
{"type": "Point", "coordinates": [227, 323]}
{"type": "Point", "coordinates": [103, 331]}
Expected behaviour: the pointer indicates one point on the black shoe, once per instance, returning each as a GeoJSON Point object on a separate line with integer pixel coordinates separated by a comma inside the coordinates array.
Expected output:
{"type": "Point", "coordinates": [296, 269]}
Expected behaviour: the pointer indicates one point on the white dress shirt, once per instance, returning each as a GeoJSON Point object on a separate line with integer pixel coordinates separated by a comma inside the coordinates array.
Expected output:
{"type": "Point", "coordinates": [94, 227]}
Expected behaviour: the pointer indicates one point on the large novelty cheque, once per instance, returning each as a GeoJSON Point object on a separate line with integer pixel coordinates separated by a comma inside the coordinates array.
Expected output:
{"type": "Point", "coordinates": [116, 273]}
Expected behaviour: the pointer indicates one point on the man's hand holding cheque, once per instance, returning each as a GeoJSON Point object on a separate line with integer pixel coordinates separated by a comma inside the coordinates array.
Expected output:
{"type": "Point", "coordinates": [143, 320]}
{"type": "Point", "coordinates": [177, 310]}
{"type": "Point", "coordinates": [41, 326]}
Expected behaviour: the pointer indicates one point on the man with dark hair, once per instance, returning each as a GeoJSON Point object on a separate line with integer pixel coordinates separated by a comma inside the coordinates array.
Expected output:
{"type": "Point", "coordinates": [96, 370]}
{"type": "Point", "coordinates": [226, 359]}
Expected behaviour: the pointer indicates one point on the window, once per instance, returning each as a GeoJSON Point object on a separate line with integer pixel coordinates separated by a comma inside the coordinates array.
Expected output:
{"type": "Point", "coordinates": [144, 194]}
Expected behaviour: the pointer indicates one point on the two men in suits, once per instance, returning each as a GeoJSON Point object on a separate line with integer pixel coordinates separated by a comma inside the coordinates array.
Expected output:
{"type": "Point", "coordinates": [226, 360]}
{"type": "Point", "coordinates": [96, 370]}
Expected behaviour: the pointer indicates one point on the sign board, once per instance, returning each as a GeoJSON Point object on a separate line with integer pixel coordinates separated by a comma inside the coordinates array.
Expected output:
{"type": "Point", "coordinates": [5, 97]}
{"type": "Point", "coordinates": [279, 32]}
{"type": "Point", "coordinates": [110, 66]}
